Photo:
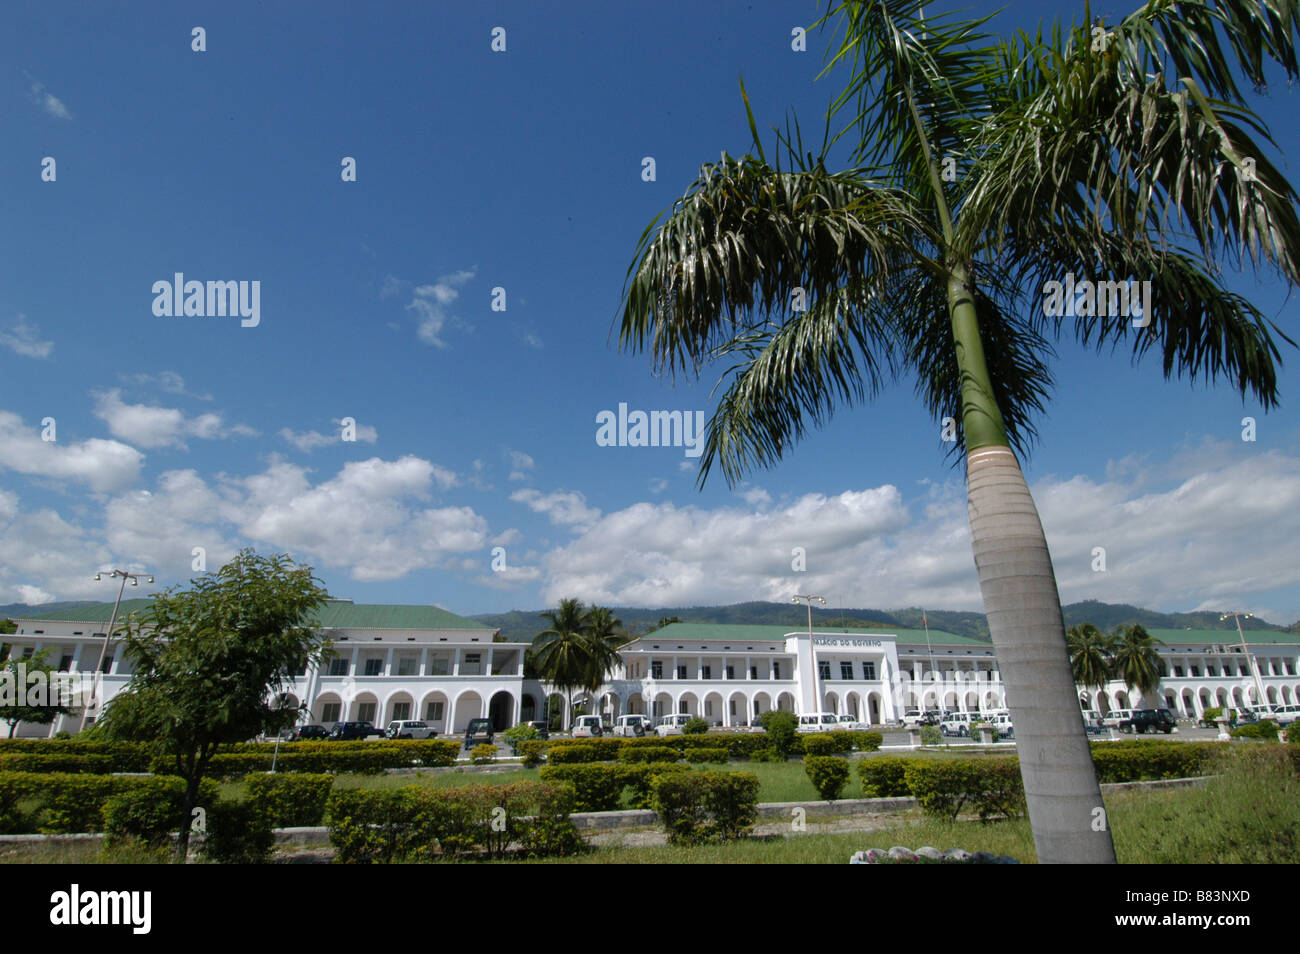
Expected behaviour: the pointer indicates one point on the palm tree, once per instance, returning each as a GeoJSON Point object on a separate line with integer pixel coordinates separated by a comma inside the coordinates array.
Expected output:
{"type": "Point", "coordinates": [605, 631]}
{"type": "Point", "coordinates": [1090, 652]}
{"type": "Point", "coordinates": [562, 652]}
{"type": "Point", "coordinates": [1136, 660]}
{"type": "Point", "coordinates": [983, 170]}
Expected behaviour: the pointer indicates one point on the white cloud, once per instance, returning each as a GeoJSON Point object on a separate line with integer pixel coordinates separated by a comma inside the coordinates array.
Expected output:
{"type": "Point", "coordinates": [47, 100]}
{"type": "Point", "coordinates": [521, 463]}
{"type": "Point", "coordinates": [22, 337]}
{"type": "Point", "coordinates": [1174, 539]}
{"type": "Point", "coordinates": [99, 464]}
{"type": "Point", "coordinates": [430, 303]}
{"type": "Point", "coordinates": [168, 381]}
{"type": "Point", "coordinates": [507, 537]}
{"type": "Point", "coordinates": [307, 441]}
{"type": "Point", "coordinates": [150, 426]}
{"type": "Point", "coordinates": [565, 508]}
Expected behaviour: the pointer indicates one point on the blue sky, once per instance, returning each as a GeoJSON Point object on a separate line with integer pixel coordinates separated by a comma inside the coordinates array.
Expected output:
{"type": "Point", "coordinates": [476, 428]}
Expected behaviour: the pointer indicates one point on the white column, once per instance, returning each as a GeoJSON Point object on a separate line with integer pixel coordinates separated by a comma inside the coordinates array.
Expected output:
{"type": "Point", "coordinates": [388, 662]}
{"type": "Point", "coordinates": [424, 661]}
{"type": "Point", "coordinates": [455, 662]}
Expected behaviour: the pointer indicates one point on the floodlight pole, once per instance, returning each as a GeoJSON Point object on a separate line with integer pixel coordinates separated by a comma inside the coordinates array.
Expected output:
{"type": "Point", "coordinates": [1250, 660]}
{"type": "Point", "coordinates": [103, 650]}
{"type": "Point", "coordinates": [811, 649]}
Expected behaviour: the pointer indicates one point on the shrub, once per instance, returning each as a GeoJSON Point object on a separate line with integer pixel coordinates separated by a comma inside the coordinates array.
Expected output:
{"type": "Point", "coordinates": [884, 777]}
{"type": "Point", "coordinates": [828, 774]}
{"type": "Point", "coordinates": [990, 786]}
{"type": "Point", "coordinates": [149, 812]}
{"type": "Point", "coordinates": [639, 780]}
{"type": "Point", "coordinates": [703, 754]}
{"type": "Point", "coordinates": [291, 801]}
{"type": "Point", "coordinates": [822, 743]}
{"type": "Point", "coordinates": [597, 788]}
{"type": "Point", "coordinates": [238, 833]}
{"type": "Point", "coordinates": [571, 753]}
{"type": "Point", "coordinates": [520, 733]}
{"type": "Point", "coordinates": [867, 741]}
{"type": "Point", "coordinates": [930, 735]}
{"type": "Point", "coordinates": [1264, 729]}
{"type": "Point", "coordinates": [653, 753]}
{"type": "Point", "coordinates": [483, 753]}
{"type": "Point", "coordinates": [1135, 760]}
{"type": "Point", "coordinates": [782, 731]}
{"type": "Point", "coordinates": [532, 751]}
{"type": "Point", "coordinates": [767, 754]}
{"type": "Point", "coordinates": [695, 726]}
{"type": "Point", "coordinates": [698, 807]}
{"type": "Point", "coordinates": [1293, 732]}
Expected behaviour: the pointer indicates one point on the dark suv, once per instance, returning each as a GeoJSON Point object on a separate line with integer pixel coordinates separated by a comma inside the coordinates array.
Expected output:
{"type": "Point", "coordinates": [344, 731]}
{"type": "Point", "coordinates": [310, 733]}
{"type": "Point", "coordinates": [478, 730]}
{"type": "Point", "coordinates": [1148, 720]}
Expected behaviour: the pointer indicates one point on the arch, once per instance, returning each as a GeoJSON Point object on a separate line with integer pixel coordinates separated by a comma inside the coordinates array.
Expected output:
{"type": "Point", "coordinates": [761, 703]}
{"type": "Point", "coordinates": [687, 703]}
{"type": "Point", "coordinates": [1103, 703]}
{"type": "Point", "coordinates": [468, 705]}
{"type": "Point", "coordinates": [873, 708]}
{"type": "Point", "coordinates": [1190, 709]}
{"type": "Point", "coordinates": [972, 702]}
{"type": "Point", "coordinates": [635, 704]}
{"type": "Point", "coordinates": [1271, 695]}
{"type": "Point", "coordinates": [528, 708]}
{"type": "Point", "coordinates": [1238, 700]}
{"type": "Point", "coordinates": [1121, 700]}
{"type": "Point", "coordinates": [742, 706]}
{"type": "Point", "coordinates": [324, 699]}
{"type": "Point", "coordinates": [785, 701]}
{"type": "Point", "coordinates": [662, 705]}
{"type": "Point", "coordinates": [949, 703]}
{"type": "Point", "coordinates": [554, 709]}
{"type": "Point", "coordinates": [1286, 695]}
{"type": "Point", "coordinates": [1221, 697]}
{"type": "Point", "coordinates": [1171, 700]}
{"type": "Point", "coordinates": [713, 711]}
{"type": "Point", "coordinates": [910, 702]}
{"type": "Point", "coordinates": [832, 703]}
{"type": "Point", "coordinates": [501, 710]}
{"type": "Point", "coordinates": [611, 705]}
{"type": "Point", "coordinates": [393, 706]}
{"type": "Point", "coordinates": [991, 700]}
{"type": "Point", "coordinates": [435, 709]}
{"type": "Point", "coordinates": [853, 705]}
{"type": "Point", "coordinates": [365, 707]}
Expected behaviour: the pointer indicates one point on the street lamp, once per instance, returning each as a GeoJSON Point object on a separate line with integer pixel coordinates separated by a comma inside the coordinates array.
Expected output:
{"type": "Point", "coordinates": [103, 650]}
{"type": "Point", "coordinates": [1250, 660]}
{"type": "Point", "coordinates": [808, 599]}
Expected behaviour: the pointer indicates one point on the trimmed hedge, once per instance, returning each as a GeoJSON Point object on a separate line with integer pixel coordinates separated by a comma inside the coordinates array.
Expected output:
{"type": "Point", "coordinates": [599, 788]}
{"type": "Point", "coordinates": [363, 758]}
{"type": "Point", "coordinates": [991, 786]}
{"type": "Point", "coordinates": [826, 743]}
{"type": "Point", "coordinates": [631, 754]}
{"type": "Point", "coordinates": [532, 751]}
{"type": "Point", "coordinates": [828, 773]}
{"type": "Point", "coordinates": [700, 753]}
{"type": "Point", "coordinates": [239, 833]}
{"type": "Point", "coordinates": [884, 777]}
{"type": "Point", "coordinates": [698, 807]}
{"type": "Point", "coordinates": [290, 800]}
{"type": "Point", "coordinates": [73, 803]}
{"type": "Point", "coordinates": [738, 745]}
{"type": "Point", "coordinates": [414, 822]}
{"type": "Point", "coordinates": [572, 754]}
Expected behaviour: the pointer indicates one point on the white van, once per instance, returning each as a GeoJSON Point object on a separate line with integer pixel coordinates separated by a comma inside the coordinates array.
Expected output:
{"type": "Point", "coordinates": [672, 724]}
{"type": "Point", "coordinates": [819, 722]}
{"type": "Point", "coordinates": [633, 725]}
{"type": "Point", "coordinates": [587, 727]}
{"type": "Point", "coordinates": [957, 723]}
{"type": "Point", "coordinates": [1114, 717]}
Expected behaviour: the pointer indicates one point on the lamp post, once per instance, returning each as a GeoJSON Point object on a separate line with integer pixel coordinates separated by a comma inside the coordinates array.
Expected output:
{"type": "Point", "coordinates": [103, 650]}
{"type": "Point", "coordinates": [817, 696]}
{"type": "Point", "coordinates": [1250, 660]}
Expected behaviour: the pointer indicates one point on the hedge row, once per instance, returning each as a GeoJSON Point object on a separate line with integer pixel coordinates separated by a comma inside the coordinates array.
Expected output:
{"type": "Point", "coordinates": [698, 807]}
{"type": "Point", "coordinates": [735, 744]}
{"type": "Point", "coordinates": [70, 803]}
{"type": "Point", "coordinates": [599, 788]}
{"type": "Point", "coordinates": [414, 822]}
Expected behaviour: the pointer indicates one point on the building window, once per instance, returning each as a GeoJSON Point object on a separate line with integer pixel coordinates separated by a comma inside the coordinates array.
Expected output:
{"type": "Point", "coordinates": [65, 663]}
{"type": "Point", "coordinates": [656, 669]}
{"type": "Point", "coordinates": [776, 669]}
{"type": "Point", "coordinates": [681, 672]}
{"type": "Point", "coordinates": [1210, 670]}
{"type": "Point", "coordinates": [708, 707]}
{"type": "Point", "coordinates": [28, 652]}
{"type": "Point", "coordinates": [731, 707]}
{"type": "Point", "coordinates": [401, 711]}
{"type": "Point", "coordinates": [823, 670]}
{"type": "Point", "coordinates": [731, 674]}
{"type": "Point", "coordinates": [1178, 671]}
{"type": "Point", "coordinates": [438, 666]}
{"type": "Point", "coordinates": [1196, 671]}
{"type": "Point", "coordinates": [374, 667]}
{"type": "Point", "coordinates": [753, 672]}
{"type": "Point", "coordinates": [1289, 667]}
{"type": "Point", "coordinates": [338, 667]}
{"type": "Point", "coordinates": [433, 712]}
{"type": "Point", "coordinates": [472, 666]}
{"type": "Point", "coordinates": [706, 672]}
{"type": "Point", "coordinates": [329, 712]}
{"type": "Point", "coordinates": [366, 712]}
{"type": "Point", "coordinates": [846, 670]}
{"type": "Point", "coordinates": [868, 670]}
{"type": "Point", "coordinates": [407, 666]}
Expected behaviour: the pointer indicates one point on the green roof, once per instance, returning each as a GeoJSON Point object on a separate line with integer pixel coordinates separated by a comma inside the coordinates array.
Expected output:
{"type": "Point", "coordinates": [746, 632]}
{"type": "Point", "coordinates": [335, 614]}
{"type": "Point", "coordinates": [1227, 637]}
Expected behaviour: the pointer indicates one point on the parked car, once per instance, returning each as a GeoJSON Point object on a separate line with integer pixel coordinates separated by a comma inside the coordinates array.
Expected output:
{"type": "Point", "coordinates": [478, 731]}
{"type": "Point", "coordinates": [1142, 721]}
{"type": "Point", "coordinates": [345, 731]}
{"type": "Point", "coordinates": [633, 725]}
{"type": "Point", "coordinates": [587, 727]}
{"type": "Point", "coordinates": [1114, 717]}
{"type": "Point", "coordinates": [309, 733]}
{"type": "Point", "coordinates": [756, 723]}
{"type": "Point", "coordinates": [1092, 722]}
{"type": "Point", "coordinates": [1285, 715]}
{"type": "Point", "coordinates": [543, 730]}
{"type": "Point", "coordinates": [409, 729]}
{"type": "Point", "coordinates": [672, 724]}
{"type": "Point", "coordinates": [1002, 722]}
{"type": "Point", "coordinates": [851, 724]}
{"type": "Point", "coordinates": [955, 723]}
{"type": "Point", "coordinates": [818, 722]}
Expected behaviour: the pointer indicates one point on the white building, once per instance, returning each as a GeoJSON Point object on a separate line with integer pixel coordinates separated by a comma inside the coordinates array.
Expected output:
{"type": "Point", "coordinates": [420, 662]}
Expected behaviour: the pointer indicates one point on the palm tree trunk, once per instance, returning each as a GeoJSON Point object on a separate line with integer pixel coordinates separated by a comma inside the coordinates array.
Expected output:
{"type": "Point", "coordinates": [1024, 613]}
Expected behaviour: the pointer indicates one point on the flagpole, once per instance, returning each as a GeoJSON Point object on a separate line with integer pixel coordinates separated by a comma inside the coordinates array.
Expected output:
{"type": "Point", "coordinates": [930, 650]}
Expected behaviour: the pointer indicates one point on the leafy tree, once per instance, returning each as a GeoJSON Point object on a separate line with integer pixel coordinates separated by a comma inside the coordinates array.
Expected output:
{"type": "Point", "coordinates": [211, 664]}
{"type": "Point", "coordinates": [982, 171]}
{"type": "Point", "coordinates": [16, 687]}
{"type": "Point", "coordinates": [579, 649]}
{"type": "Point", "coordinates": [8, 626]}
{"type": "Point", "coordinates": [1136, 660]}
{"type": "Point", "coordinates": [1090, 654]}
